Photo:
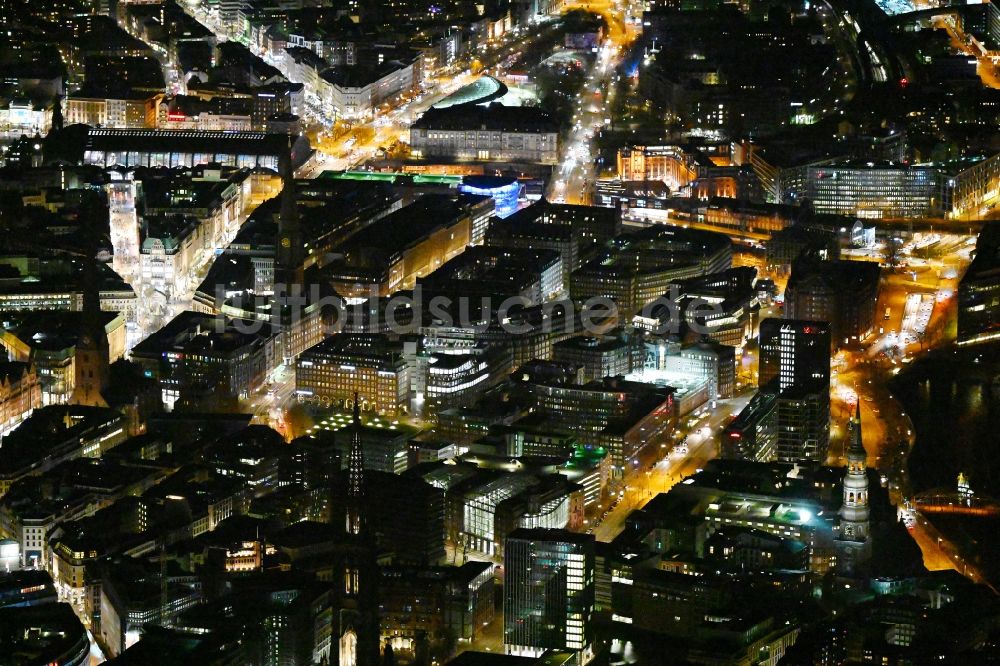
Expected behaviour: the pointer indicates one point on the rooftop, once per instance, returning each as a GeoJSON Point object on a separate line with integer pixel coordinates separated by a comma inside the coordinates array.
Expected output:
{"type": "Point", "coordinates": [360, 76]}
{"type": "Point", "coordinates": [200, 333]}
{"type": "Point", "coordinates": [495, 117]}
{"type": "Point", "coordinates": [545, 534]}
{"type": "Point", "coordinates": [405, 227]}
{"type": "Point", "coordinates": [482, 90]}
{"type": "Point", "coordinates": [834, 275]}
{"type": "Point", "coordinates": [188, 141]}
{"type": "Point", "coordinates": [46, 431]}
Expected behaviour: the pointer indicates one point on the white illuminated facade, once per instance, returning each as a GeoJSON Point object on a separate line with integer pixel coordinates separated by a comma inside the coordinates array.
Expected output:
{"type": "Point", "coordinates": [549, 592]}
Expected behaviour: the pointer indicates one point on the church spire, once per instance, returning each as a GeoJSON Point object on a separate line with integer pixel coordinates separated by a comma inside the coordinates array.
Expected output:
{"type": "Point", "coordinates": [290, 244]}
{"type": "Point", "coordinates": [854, 541]}
{"type": "Point", "coordinates": [355, 475]}
{"type": "Point", "coordinates": [92, 354]}
{"type": "Point", "coordinates": [57, 116]}
{"type": "Point", "coordinates": [856, 448]}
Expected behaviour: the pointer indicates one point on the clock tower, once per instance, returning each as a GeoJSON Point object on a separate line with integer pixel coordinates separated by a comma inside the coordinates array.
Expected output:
{"type": "Point", "coordinates": [92, 354]}
{"type": "Point", "coordinates": [854, 539]}
{"type": "Point", "coordinates": [291, 249]}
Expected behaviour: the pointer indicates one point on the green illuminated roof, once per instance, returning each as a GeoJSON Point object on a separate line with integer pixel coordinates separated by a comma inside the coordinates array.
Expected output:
{"type": "Point", "coordinates": [586, 456]}
{"type": "Point", "coordinates": [392, 177]}
{"type": "Point", "coordinates": [438, 180]}
{"type": "Point", "coordinates": [362, 175]}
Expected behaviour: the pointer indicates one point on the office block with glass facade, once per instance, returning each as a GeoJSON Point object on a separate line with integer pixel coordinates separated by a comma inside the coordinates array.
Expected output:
{"type": "Point", "coordinates": [548, 592]}
{"type": "Point", "coordinates": [875, 190]}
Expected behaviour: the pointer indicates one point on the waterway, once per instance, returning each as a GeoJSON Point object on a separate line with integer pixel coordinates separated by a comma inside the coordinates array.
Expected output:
{"type": "Point", "coordinates": [953, 399]}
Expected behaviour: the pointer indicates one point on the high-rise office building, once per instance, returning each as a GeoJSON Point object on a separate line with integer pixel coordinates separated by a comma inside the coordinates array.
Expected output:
{"type": "Point", "coordinates": [802, 423]}
{"type": "Point", "coordinates": [549, 591]}
{"type": "Point", "coordinates": [795, 366]}
{"type": "Point", "coordinates": [794, 352]}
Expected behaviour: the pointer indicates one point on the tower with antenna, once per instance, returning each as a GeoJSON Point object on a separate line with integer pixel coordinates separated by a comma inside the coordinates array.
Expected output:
{"type": "Point", "coordinates": [290, 247]}
{"type": "Point", "coordinates": [355, 476]}
{"type": "Point", "coordinates": [92, 353]}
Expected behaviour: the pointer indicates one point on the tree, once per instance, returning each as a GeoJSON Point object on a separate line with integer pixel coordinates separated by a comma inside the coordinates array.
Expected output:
{"type": "Point", "coordinates": [892, 254]}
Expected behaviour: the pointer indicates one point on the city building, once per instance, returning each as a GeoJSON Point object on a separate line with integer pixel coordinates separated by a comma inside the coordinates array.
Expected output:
{"type": "Point", "coordinates": [127, 595]}
{"type": "Point", "coordinates": [357, 91]}
{"type": "Point", "coordinates": [599, 356]}
{"type": "Point", "coordinates": [529, 277]}
{"type": "Point", "coordinates": [441, 602]}
{"type": "Point", "coordinates": [54, 434]}
{"type": "Point", "coordinates": [505, 192]}
{"type": "Point", "coordinates": [370, 367]}
{"type": "Point", "coordinates": [725, 305]}
{"type": "Point", "coordinates": [187, 148]}
{"type": "Point", "coordinates": [172, 248]}
{"type": "Point", "coordinates": [120, 111]}
{"type": "Point", "coordinates": [48, 339]}
{"type": "Point", "coordinates": [263, 104]}
{"type": "Point", "coordinates": [197, 354]}
{"type": "Point", "coordinates": [704, 172]}
{"type": "Point", "coordinates": [706, 369]}
{"type": "Point", "coordinates": [972, 183]}
{"type": "Point", "coordinates": [795, 367]}
{"type": "Point", "coordinates": [629, 419]}
{"type": "Point", "coordinates": [718, 306]}
{"type": "Point", "coordinates": [786, 246]}
{"type": "Point", "coordinates": [979, 290]}
{"type": "Point", "coordinates": [640, 265]}
{"type": "Point", "coordinates": [548, 592]}
{"type": "Point", "coordinates": [20, 394]}
{"type": "Point", "coordinates": [483, 508]}
{"type": "Point", "coordinates": [802, 422]}
{"type": "Point", "coordinates": [876, 190]}
{"type": "Point", "coordinates": [66, 643]}
{"type": "Point", "coordinates": [794, 352]}
{"type": "Point", "coordinates": [486, 133]}
{"type": "Point", "coordinates": [451, 378]}
{"type": "Point", "coordinates": [571, 230]}
{"type": "Point", "coordinates": [390, 254]}
{"type": "Point", "coordinates": [711, 361]}
{"type": "Point", "coordinates": [54, 283]}
{"type": "Point", "coordinates": [752, 434]}
{"type": "Point", "coordinates": [524, 230]}
{"type": "Point", "coordinates": [842, 293]}
{"type": "Point", "coordinates": [217, 197]}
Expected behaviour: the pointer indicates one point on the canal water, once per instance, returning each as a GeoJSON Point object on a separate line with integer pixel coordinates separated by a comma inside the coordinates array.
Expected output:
{"type": "Point", "coordinates": [953, 398]}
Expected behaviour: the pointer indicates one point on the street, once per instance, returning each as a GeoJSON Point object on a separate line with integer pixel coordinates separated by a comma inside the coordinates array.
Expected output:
{"type": "Point", "coordinates": [702, 445]}
{"type": "Point", "coordinates": [577, 173]}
